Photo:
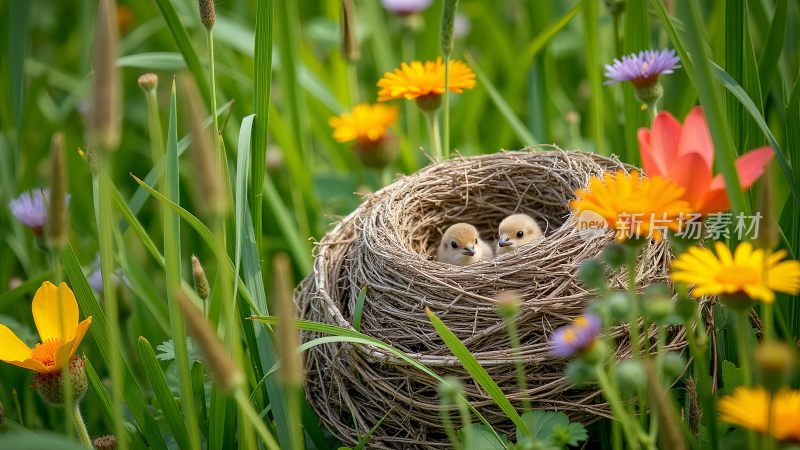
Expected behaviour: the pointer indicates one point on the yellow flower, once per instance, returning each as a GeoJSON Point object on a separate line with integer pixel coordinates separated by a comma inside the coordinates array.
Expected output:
{"type": "Point", "coordinates": [418, 79]}
{"type": "Point", "coordinates": [55, 312]}
{"type": "Point", "coordinates": [365, 123]}
{"type": "Point", "coordinates": [631, 205]}
{"type": "Point", "coordinates": [748, 407]}
{"type": "Point", "coordinates": [747, 271]}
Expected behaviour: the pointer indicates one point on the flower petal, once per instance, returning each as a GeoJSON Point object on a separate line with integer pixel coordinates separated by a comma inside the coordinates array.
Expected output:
{"type": "Point", "coordinates": [32, 364]}
{"type": "Point", "coordinates": [12, 348]}
{"type": "Point", "coordinates": [664, 135]}
{"type": "Point", "coordinates": [694, 176]}
{"type": "Point", "coordinates": [80, 332]}
{"type": "Point", "coordinates": [695, 138]}
{"type": "Point", "coordinates": [55, 312]}
{"type": "Point", "coordinates": [749, 167]}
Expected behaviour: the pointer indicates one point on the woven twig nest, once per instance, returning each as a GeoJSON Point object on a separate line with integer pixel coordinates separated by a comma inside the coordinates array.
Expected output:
{"type": "Point", "coordinates": [387, 244]}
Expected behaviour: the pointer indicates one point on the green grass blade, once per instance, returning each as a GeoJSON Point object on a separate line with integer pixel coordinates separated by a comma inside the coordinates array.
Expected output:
{"type": "Point", "coordinates": [181, 37]}
{"type": "Point", "coordinates": [544, 37]}
{"type": "Point", "coordinates": [172, 261]}
{"type": "Point", "coordinates": [734, 65]}
{"type": "Point", "coordinates": [163, 394]}
{"type": "Point", "coordinates": [90, 307]}
{"type": "Point", "coordinates": [594, 74]}
{"type": "Point", "coordinates": [741, 96]}
{"type": "Point", "coordinates": [199, 388]}
{"type": "Point", "coordinates": [104, 400]}
{"type": "Point", "coordinates": [636, 38]}
{"type": "Point", "coordinates": [298, 247]}
{"type": "Point", "coordinates": [352, 336]}
{"type": "Point", "coordinates": [262, 77]}
{"type": "Point", "coordinates": [359, 309]}
{"type": "Point", "coordinates": [523, 133]}
{"type": "Point", "coordinates": [8, 298]}
{"type": "Point", "coordinates": [724, 153]}
{"type": "Point", "coordinates": [477, 372]}
{"type": "Point", "coordinates": [18, 19]}
{"type": "Point", "coordinates": [773, 46]}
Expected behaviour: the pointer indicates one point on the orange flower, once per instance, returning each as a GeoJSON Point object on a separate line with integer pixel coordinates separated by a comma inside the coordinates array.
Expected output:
{"type": "Point", "coordinates": [415, 80]}
{"type": "Point", "coordinates": [365, 123]}
{"type": "Point", "coordinates": [55, 312]}
{"type": "Point", "coordinates": [633, 206]}
{"type": "Point", "coordinates": [685, 155]}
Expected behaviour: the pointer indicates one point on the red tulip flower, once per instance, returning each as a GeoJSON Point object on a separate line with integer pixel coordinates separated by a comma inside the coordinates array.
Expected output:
{"type": "Point", "coordinates": [685, 155]}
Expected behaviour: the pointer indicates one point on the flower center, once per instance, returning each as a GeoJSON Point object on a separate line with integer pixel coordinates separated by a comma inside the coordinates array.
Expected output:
{"type": "Point", "coordinates": [570, 336]}
{"type": "Point", "coordinates": [738, 275]}
{"type": "Point", "coordinates": [45, 352]}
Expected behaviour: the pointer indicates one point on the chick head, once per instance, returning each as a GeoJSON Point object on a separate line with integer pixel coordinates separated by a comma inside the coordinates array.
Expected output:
{"type": "Point", "coordinates": [516, 230]}
{"type": "Point", "coordinates": [459, 244]}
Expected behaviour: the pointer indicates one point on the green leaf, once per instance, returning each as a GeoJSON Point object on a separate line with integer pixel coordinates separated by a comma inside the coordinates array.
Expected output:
{"type": "Point", "coordinates": [166, 399]}
{"type": "Point", "coordinates": [553, 428]}
{"type": "Point", "coordinates": [751, 108]}
{"type": "Point", "coordinates": [768, 61]}
{"type": "Point", "coordinates": [731, 377]}
{"type": "Point", "coordinates": [477, 372]}
{"type": "Point", "coordinates": [483, 438]}
{"type": "Point", "coordinates": [359, 309]}
{"type": "Point", "coordinates": [90, 307]}
{"type": "Point", "coordinates": [181, 37]}
{"type": "Point", "coordinates": [594, 74]}
{"type": "Point", "coordinates": [262, 78]}
{"type": "Point", "coordinates": [349, 335]}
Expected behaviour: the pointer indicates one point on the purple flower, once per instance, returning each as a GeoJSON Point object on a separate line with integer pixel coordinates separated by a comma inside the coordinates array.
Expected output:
{"type": "Point", "coordinates": [30, 208]}
{"type": "Point", "coordinates": [642, 69]}
{"type": "Point", "coordinates": [95, 277]}
{"type": "Point", "coordinates": [461, 26]}
{"type": "Point", "coordinates": [404, 7]}
{"type": "Point", "coordinates": [574, 338]}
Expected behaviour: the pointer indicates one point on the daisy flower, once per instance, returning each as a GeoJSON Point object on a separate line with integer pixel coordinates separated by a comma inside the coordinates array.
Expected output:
{"type": "Point", "coordinates": [424, 82]}
{"type": "Point", "coordinates": [633, 206]}
{"type": "Point", "coordinates": [750, 408]}
{"type": "Point", "coordinates": [575, 338]}
{"type": "Point", "coordinates": [368, 127]}
{"type": "Point", "coordinates": [30, 208]}
{"type": "Point", "coordinates": [643, 68]}
{"type": "Point", "coordinates": [748, 271]}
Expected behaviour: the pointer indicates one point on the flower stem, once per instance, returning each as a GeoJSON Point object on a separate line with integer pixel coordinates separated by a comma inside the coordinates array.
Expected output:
{"type": "Point", "coordinates": [412, 120]}
{"type": "Point", "coordinates": [617, 408]}
{"type": "Point", "coordinates": [703, 381]}
{"type": "Point", "coordinates": [446, 147]}
{"type": "Point", "coordinates": [255, 420]}
{"type": "Point", "coordinates": [213, 81]}
{"type": "Point", "coordinates": [80, 426]}
{"type": "Point", "coordinates": [742, 343]}
{"type": "Point", "coordinates": [522, 379]}
{"type": "Point", "coordinates": [433, 131]}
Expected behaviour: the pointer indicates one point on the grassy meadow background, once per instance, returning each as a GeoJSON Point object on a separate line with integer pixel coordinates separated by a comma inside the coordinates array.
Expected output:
{"type": "Point", "coordinates": [539, 68]}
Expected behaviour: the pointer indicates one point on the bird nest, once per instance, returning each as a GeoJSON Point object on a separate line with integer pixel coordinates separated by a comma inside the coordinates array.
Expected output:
{"type": "Point", "coordinates": [387, 245]}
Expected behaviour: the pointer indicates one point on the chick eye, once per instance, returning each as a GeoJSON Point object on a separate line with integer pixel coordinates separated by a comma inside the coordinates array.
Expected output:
{"type": "Point", "coordinates": [476, 241]}
{"type": "Point", "coordinates": [520, 234]}
{"type": "Point", "coordinates": [453, 244]}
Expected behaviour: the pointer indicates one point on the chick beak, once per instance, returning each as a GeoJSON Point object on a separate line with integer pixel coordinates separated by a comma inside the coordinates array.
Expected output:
{"type": "Point", "coordinates": [469, 251]}
{"type": "Point", "coordinates": [504, 242]}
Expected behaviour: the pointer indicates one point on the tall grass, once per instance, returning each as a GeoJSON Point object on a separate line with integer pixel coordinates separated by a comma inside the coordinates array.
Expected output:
{"type": "Point", "coordinates": [278, 77]}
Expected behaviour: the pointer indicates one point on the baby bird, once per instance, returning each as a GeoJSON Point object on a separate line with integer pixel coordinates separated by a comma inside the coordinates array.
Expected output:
{"type": "Point", "coordinates": [516, 230]}
{"type": "Point", "coordinates": [461, 246]}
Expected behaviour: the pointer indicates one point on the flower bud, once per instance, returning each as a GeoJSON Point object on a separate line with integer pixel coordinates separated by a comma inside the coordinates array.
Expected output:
{"type": "Point", "coordinates": [105, 108]}
{"type": "Point", "coordinates": [616, 255]}
{"type": "Point", "coordinates": [449, 8]}
{"type": "Point", "coordinates": [776, 362]}
{"type": "Point", "coordinates": [594, 354]}
{"type": "Point", "coordinates": [51, 388]}
{"type": "Point", "coordinates": [148, 82]}
{"type": "Point", "coordinates": [674, 365]}
{"type": "Point", "coordinates": [225, 372]}
{"type": "Point", "coordinates": [738, 301]}
{"type": "Point", "coordinates": [208, 15]}
{"type": "Point", "coordinates": [350, 49]}
{"type": "Point", "coordinates": [429, 103]}
{"type": "Point", "coordinates": [200, 280]}
{"type": "Point", "coordinates": [508, 304]}
{"type": "Point", "coordinates": [649, 94]}
{"type": "Point", "coordinates": [615, 7]}
{"type": "Point", "coordinates": [211, 189]}
{"type": "Point", "coordinates": [619, 306]}
{"type": "Point", "coordinates": [377, 154]}
{"type": "Point", "coordinates": [108, 442]}
{"type": "Point", "coordinates": [592, 274]}
{"type": "Point", "coordinates": [291, 369]}
{"type": "Point", "coordinates": [449, 388]}
{"type": "Point", "coordinates": [57, 225]}
{"type": "Point", "coordinates": [579, 373]}
{"type": "Point", "coordinates": [630, 375]}
{"type": "Point", "coordinates": [658, 304]}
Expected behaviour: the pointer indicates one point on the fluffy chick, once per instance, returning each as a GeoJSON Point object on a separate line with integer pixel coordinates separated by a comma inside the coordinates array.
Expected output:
{"type": "Point", "coordinates": [461, 246]}
{"type": "Point", "coordinates": [516, 230]}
